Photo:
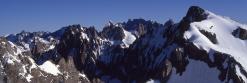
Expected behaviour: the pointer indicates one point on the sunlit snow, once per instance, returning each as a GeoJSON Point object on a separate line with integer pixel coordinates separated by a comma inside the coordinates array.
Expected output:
{"type": "Point", "coordinates": [223, 28]}
{"type": "Point", "coordinates": [49, 67]}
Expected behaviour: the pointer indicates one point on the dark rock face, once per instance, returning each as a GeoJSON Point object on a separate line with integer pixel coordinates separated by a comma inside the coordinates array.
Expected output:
{"type": "Point", "coordinates": [240, 33]}
{"type": "Point", "coordinates": [179, 60]}
{"type": "Point", "coordinates": [114, 33]}
{"type": "Point", "coordinates": [196, 13]}
{"type": "Point", "coordinates": [86, 55]}
{"type": "Point", "coordinates": [141, 29]}
{"type": "Point", "coordinates": [80, 44]}
{"type": "Point", "coordinates": [141, 26]}
{"type": "Point", "coordinates": [210, 36]}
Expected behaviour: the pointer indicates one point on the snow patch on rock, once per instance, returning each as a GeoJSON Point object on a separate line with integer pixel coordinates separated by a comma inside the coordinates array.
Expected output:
{"type": "Point", "coordinates": [153, 81]}
{"type": "Point", "coordinates": [238, 72]}
{"type": "Point", "coordinates": [49, 67]}
{"type": "Point", "coordinates": [84, 36]}
{"type": "Point", "coordinates": [129, 38]}
{"type": "Point", "coordinates": [28, 78]}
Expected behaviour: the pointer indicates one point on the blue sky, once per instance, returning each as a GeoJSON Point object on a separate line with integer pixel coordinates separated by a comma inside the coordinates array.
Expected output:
{"type": "Point", "coordinates": [50, 15]}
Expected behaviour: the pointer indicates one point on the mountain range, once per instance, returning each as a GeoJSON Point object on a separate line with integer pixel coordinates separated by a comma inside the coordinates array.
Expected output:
{"type": "Point", "coordinates": [202, 48]}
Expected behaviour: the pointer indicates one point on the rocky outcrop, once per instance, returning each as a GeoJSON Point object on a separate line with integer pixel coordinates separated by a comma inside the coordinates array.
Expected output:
{"type": "Point", "coordinates": [240, 33]}
{"type": "Point", "coordinates": [113, 32]}
{"type": "Point", "coordinates": [210, 36]}
{"type": "Point", "coordinates": [196, 13]}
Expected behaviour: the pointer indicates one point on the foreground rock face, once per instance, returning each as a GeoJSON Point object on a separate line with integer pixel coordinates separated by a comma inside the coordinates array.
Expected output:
{"type": "Point", "coordinates": [135, 51]}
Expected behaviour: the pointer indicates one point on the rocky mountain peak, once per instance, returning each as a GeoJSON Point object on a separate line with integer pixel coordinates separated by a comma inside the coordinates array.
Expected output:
{"type": "Point", "coordinates": [170, 22]}
{"type": "Point", "coordinates": [195, 13]}
{"type": "Point", "coordinates": [113, 32]}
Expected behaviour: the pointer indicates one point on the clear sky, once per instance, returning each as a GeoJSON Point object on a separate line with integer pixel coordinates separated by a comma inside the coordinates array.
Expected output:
{"type": "Point", "coordinates": [50, 15]}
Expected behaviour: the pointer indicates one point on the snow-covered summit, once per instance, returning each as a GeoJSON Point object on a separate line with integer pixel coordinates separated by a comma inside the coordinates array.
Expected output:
{"type": "Point", "coordinates": [223, 29]}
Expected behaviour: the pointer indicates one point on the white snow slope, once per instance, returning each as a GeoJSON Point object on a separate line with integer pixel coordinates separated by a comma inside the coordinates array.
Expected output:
{"type": "Point", "coordinates": [196, 72]}
{"type": "Point", "coordinates": [49, 67]}
{"type": "Point", "coordinates": [129, 38]}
